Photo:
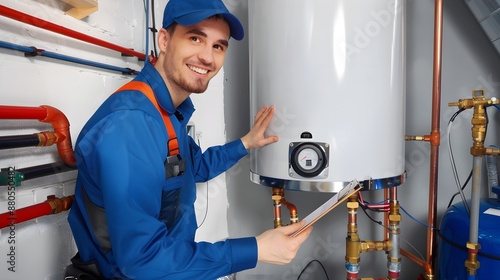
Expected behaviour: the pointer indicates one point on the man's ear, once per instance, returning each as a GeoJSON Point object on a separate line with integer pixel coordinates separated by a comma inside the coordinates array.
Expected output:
{"type": "Point", "coordinates": [163, 37]}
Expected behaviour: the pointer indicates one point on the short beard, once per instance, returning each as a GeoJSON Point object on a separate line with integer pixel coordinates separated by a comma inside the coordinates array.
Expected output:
{"type": "Point", "coordinates": [198, 87]}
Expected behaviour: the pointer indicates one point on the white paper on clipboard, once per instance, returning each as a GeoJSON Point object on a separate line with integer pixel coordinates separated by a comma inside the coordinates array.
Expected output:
{"type": "Point", "coordinates": [329, 205]}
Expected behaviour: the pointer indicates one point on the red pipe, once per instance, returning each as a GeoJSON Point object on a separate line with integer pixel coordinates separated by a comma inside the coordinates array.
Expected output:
{"type": "Point", "coordinates": [52, 205]}
{"type": "Point", "coordinates": [22, 17]}
{"type": "Point", "coordinates": [50, 115]}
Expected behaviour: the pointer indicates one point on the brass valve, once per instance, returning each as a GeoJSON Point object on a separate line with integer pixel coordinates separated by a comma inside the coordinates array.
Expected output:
{"type": "Point", "coordinates": [479, 120]}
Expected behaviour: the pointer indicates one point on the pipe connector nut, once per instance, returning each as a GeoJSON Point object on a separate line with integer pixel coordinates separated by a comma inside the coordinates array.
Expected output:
{"type": "Point", "coordinates": [473, 246]}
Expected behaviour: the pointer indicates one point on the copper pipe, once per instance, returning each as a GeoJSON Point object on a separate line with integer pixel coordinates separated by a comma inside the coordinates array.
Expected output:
{"type": "Point", "coordinates": [393, 193]}
{"type": "Point", "coordinates": [294, 217]}
{"type": "Point", "coordinates": [279, 200]}
{"type": "Point", "coordinates": [425, 266]}
{"type": "Point", "coordinates": [435, 132]}
{"type": "Point", "coordinates": [386, 216]}
{"type": "Point", "coordinates": [276, 197]}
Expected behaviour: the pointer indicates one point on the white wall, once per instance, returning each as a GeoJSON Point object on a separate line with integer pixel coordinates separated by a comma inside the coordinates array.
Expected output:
{"type": "Point", "coordinates": [469, 62]}
{"type": "Point", "coordinates": [44, 246]}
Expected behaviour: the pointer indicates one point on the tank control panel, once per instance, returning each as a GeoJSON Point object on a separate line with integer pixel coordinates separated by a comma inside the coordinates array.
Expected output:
{"type": "Point", "coordinates": [308, 160]}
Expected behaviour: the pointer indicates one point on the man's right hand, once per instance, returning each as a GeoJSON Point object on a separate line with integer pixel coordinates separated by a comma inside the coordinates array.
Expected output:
{"type": "Point", "coordinates": [277, 247]}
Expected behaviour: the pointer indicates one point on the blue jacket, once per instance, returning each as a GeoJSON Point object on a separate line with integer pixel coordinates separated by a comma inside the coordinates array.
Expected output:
{"type": "Point", "coordinates": [127, 217]}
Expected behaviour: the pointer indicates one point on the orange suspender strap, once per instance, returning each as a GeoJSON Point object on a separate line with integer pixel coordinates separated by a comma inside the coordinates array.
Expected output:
{"type": "Point", "coordinates": [173, 143]}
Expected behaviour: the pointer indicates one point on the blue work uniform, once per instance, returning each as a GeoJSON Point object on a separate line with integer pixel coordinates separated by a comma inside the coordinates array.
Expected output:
{"type": "Point", "coordinates": [127, 217]}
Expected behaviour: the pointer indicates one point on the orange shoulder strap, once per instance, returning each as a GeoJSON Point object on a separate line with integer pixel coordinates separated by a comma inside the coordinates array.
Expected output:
{"type": "Point", "coordinates": [173, 143]}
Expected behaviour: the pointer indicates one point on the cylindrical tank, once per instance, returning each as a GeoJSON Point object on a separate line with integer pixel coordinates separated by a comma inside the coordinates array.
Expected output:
{"type": "Point", "coordinates": [335, 72]}
{"type": "Point", "coordinates": [455, 234]}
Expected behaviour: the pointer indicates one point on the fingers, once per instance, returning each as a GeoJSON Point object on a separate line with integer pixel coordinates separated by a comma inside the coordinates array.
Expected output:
{"type": "Point", "coordinates": [292, 228]}
{"type": "Point", "coordinates": [264, 119]}
{"type": "Point", "coordinates": [277, 247]}
{"type": "Point", "coordinates": [304, 235]}
{"type": "Point", "coordinates": [264, 116]}
{"type": "Point", "coordinates": [260, 112]}
{"type": "Point", "coordinates": [256, 138]}
{"type": "Point", "coordinates": [270, 139]}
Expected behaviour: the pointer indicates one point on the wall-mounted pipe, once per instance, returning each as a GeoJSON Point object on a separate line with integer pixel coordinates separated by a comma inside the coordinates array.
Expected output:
{"type": "Point", "coordinates": [52, 205]}
{"type": "Point", "coordinates": [434, 139]}
{"type": "Point", "coordinates": [44, 138]}
{"type": "Point", "coordinates": [435, 133]}
{"type": "Point", "coordinates": [38, 22]}
{"type": "Point", "coordinates": [33, 52]}
{"type": "Point", "coordinates": [50, 115]}
{"type": "Point", "coordinates": [15, 176]}
{"type": "Point", "coordinates": [38, 171]}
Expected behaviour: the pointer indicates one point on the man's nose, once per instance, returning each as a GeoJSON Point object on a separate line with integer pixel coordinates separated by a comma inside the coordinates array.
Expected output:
{"type": "Point", "coordinates": [206, 55]}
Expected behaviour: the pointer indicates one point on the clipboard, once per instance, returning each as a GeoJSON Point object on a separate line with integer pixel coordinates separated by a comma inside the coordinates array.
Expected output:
{"type": "Point", "coordinates": [329, 205]}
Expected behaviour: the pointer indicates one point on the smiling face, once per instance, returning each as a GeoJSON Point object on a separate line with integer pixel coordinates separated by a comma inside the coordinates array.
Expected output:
{"type": "Point", "coordinates": [191, 56]}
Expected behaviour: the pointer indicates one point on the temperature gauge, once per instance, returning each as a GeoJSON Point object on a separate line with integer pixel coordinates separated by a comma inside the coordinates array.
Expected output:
{"type": "Point", "coordinates": [308, 159]}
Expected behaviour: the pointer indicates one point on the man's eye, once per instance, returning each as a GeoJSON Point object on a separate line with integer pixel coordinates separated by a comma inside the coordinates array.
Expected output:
{"type": "Point", "coordinates": [219, 47]}
{"type": "Point", "coordinates": [195, 39]}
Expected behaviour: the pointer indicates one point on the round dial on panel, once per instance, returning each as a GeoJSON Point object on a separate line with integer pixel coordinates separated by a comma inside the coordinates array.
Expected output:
{"type": "Point", "coordinates": [308, 159]}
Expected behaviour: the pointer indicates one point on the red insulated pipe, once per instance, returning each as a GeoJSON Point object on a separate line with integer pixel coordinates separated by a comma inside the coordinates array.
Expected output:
{"type": "Point", "coordinates": [22, 17]}
{"type": "Point", "coordinates": [22, 113]}
{"type": "Point", "coordinates": [50, 115]}
{"type": "Point", "coordinates": [24, 214]}
{"type": "Point", "coordinates": [52, 205]}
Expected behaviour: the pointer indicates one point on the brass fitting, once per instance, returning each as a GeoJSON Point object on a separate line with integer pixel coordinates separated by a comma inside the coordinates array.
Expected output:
{"type": "Point", "coordinates": [353, 244]}
{"type": "Point", "coordinates": [48, 138]}
{"type": "Point", "coordinates": [352, 205]}
{"type": "Point", "coordinates": [59, 204]}
{"type": "Point", "coordinates": [394, 260]}
{"type": "Point", "coordinates": [479, 120]}
{"type": "Point", "coordinates": [417, 138]}
{"type": "Point", "coordinates": [370, 246]}
{"type": "Point", "coordinates": [492, 151]}
{"type": "Point", "coordinates": [353, 248]}
{"type": "Point", "coordinates": [394, 217]}
{"type": "Point", "coordinates": [473, 246]}
{"type": "Point", "coordinates": [472, 264]}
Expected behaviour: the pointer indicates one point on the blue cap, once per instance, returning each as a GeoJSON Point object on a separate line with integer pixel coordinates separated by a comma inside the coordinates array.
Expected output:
{"type": "Point", "coordinates": [189, 12]}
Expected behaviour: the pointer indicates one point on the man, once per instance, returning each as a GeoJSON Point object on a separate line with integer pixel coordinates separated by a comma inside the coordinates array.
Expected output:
{"type": "Point", "coordinates": [133, 216]}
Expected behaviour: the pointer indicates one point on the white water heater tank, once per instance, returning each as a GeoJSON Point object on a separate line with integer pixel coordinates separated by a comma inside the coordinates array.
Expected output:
{"type": "Point", "coordinates": [335, 72]}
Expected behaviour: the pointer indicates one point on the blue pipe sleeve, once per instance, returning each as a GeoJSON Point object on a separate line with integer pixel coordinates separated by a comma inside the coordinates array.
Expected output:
{"type": "Point", "coordinates": [11, 46]}
{"type": "Point", "coordinates": [34, 51]}
{"type": "Point", "coordinates": [87, 62]}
